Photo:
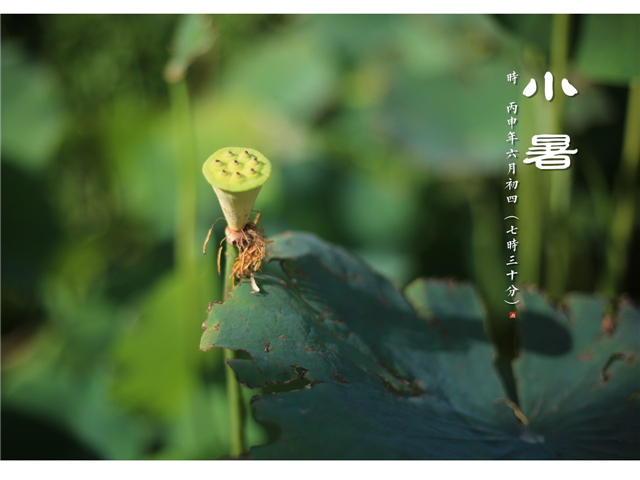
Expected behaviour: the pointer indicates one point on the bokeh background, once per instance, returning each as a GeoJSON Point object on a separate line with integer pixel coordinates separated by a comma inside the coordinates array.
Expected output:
{"type": "Point", "coordinates": [387, 135]}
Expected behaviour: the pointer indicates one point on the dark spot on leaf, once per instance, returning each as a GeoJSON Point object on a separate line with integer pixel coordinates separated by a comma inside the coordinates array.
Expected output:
{"type": "Point", "coordinates": [608, 325]}
{"type": "Point", "coordinates": [339, 378]}
{"type": "Point", "coordinates": [554, 302]}
{"type": "Point", "coordinates": [605, 375]}
{"type": "Point", "coordinates": [281, 337]}
{"type": "Point", "coordinates": [585, 357]}
{"type": "Point", "coordinates": [267, 347]}
{"type": "Point", "coordinates": [383, 300]}
{"type": "Point", "coordinates": [435, 323]}
{"type": "Point", "coordinates": [211, 305]}
{"type": "Point", "coordinates": [411, 390]}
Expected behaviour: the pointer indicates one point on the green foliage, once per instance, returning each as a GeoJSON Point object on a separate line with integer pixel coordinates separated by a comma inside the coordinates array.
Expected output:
{"type": "Point", "coordinates": [155, 353]}
{"type": "Point", "coordinates": [289, 73]}
{"type": "Point", "coordinates": [385, 131]}
{"type": "Point", "coordinates": [79, 404]}
{"type": "Point", "coordinates": [534, 29]}
{"type": "Point", "coordinates": [609, 48]}
{"type": "Point", "coordinates": [438, 138]}
{"type": "Point", "coordinates": [194, 37]}
{"type": "Point", "coordinates": [384, 376]}
{"type": "Point", "coordinates": [31, 99]}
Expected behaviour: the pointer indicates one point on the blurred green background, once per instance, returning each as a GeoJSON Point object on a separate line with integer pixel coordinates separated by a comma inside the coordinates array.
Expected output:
{"type": "Point", "coordinates": [387, 136]}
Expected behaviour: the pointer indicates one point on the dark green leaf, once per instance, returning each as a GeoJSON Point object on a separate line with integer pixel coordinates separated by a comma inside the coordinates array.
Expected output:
{"type": "Point", "coordinates": [389, 377]}
{"type": "Point", "coordinates": [576, 382]}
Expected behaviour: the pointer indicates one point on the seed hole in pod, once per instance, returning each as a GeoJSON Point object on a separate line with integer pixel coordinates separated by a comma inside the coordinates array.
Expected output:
{"type": "Point", "coordinates": [238, 174]}
{"type": "Point", "coordinates": [246, 152]}
{"type": "Point", "coordinates": [236, 162]}
{"type": "Point", "coordinates": [224, 171]}
{"type": "Point", "coordinates": [217, 161]}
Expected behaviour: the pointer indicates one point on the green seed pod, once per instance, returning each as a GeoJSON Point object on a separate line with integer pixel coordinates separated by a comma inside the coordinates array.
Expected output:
{"type": "Point", "coordinates": [237, 175]}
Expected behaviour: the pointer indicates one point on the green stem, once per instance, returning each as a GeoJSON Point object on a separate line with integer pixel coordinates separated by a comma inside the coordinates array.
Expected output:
{"type": "Point", "coordinates": [234, 389]}
{"type": "Point", "coordinates": [532, 202]}
{"type": "Point", "coordinates": [185, 222]}
{"type": "Point", "coordinates": [488, 246]}
{"type": "Point", "coordinates": [487, 243]}
{"type": "Point", "coordinates": [559, 54]}
{"type": "Point", "coordinates": [187, 183]}
{"type": "Point", "coordinates": [625, 195]}
{"type": "Point", "coordinates": [558, 251]}
{"type": "Point", "coordinates": [231, 253]}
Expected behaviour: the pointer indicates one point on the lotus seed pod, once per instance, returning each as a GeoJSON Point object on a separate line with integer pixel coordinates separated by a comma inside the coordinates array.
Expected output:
{"type": "Point", "coordinates": [237, 175]}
